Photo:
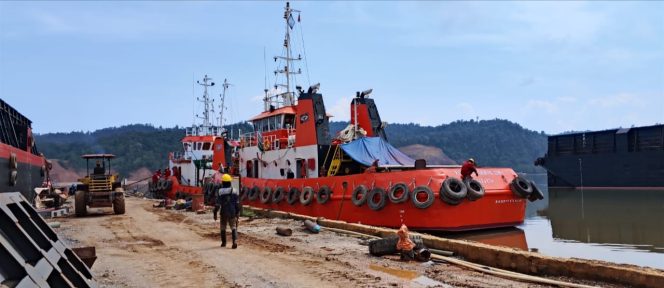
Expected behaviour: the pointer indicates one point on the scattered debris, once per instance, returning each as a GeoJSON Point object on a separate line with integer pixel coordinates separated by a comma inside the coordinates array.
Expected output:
{"type": "Point", "coordinates": [441, 252]}
{"type": "Point", "coordinates": [54, 224]}
{"type": "Point", "coordinates": [87, 254]}
{"type": "Point", "coordinates": [284, 231]}
{"type": "Point", "coordinates": [312, 226]}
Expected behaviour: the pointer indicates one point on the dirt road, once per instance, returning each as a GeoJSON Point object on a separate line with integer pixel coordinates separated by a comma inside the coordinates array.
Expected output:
{"type": "Point", "coordinates": [153, 247]}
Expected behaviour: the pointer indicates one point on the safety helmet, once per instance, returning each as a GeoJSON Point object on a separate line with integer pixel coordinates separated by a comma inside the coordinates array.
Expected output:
{"type": "Point", "coordinates": [226, 178]}
{"type": "Point", "coordinates": [471, 160]}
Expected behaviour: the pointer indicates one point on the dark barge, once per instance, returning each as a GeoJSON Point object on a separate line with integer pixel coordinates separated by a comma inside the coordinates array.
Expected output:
{"type": "Point", "coordinates": [625, 158]}
{"type": "Point", "coordinates": [22, 167]}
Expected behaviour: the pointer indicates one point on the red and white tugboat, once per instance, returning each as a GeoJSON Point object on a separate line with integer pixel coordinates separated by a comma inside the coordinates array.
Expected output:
{"type": "Point", "coordinates": [204, 151]}
{"type": "Point", "coordinates": [290, 163]}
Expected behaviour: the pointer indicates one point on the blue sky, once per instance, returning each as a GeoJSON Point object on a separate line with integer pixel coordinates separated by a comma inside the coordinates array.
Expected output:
{"type": "Point", "coordinates": [551, 66]}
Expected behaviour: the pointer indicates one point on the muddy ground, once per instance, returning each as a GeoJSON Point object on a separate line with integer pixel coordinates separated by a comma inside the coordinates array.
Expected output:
{"type": "Point", "coordinates": [154, 247]}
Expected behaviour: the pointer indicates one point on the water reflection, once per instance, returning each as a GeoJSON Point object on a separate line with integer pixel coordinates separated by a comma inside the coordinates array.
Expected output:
{"type": "Point", "coordinates": [613, 225]}
{"type": "Point", "coordinates": [510, 237]}
{"type": "Point", "coordinates": [625, 218]}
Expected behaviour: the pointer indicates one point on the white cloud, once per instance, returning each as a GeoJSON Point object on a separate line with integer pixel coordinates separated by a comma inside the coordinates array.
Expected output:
{"type": "Point", "coordinates": [623, 99]}
{"type": "Point", "coordinates": [466, 109]}
{"type": "Point", "coordinates": [566, 99]}
{"type": "Point", "coordinates": [340, 109]}
{"type": "Point", "coordinates": [537, 105]}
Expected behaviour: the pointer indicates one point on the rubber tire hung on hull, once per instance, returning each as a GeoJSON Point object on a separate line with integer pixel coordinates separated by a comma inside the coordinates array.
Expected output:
{"type": "Point", "coordinates": [359, 195]}
{"type": "Point", "coordinates": [253, 193]}
{"type": "Point", "coordinates": [521, 187]}
{"type": "Point", "coordinates": [422, 204]}
{"type": "Point", "coordinates": [395, 189]}
{"type": "Point", "coordinates": [244, 192]}
{"type": "Point", "coordinates": [378, 204]}
{"type": "Point", "coordinates": [453, 188]}
{"type": "Point", "coordinates": [324, 194]}
{"type": "Point", "coordinates": [537, 193]}
{"type": "Point", "coordinates": [278, 195]}
{"type": "Point", "coordinates": [307, 195]}
{"type": "Point", "coordinates": [293, 195]}
{"type": "Point", "coordinates": [475, 189]}
{"type": "Point", "coordinates": [266, 195]}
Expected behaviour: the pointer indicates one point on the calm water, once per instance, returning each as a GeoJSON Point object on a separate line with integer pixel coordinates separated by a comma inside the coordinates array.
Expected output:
{"type": "Point", "coordinates": [617, 226]}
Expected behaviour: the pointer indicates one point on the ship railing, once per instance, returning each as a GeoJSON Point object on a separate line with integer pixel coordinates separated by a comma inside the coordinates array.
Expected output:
{"type": "Point", "coordinates": [248, 139]}
{"type": "Point", "coordinates": [204, 130]}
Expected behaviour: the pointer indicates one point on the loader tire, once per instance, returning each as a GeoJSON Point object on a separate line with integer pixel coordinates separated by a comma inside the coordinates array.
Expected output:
{"type": "Point", "coordinates": [79, 201]}
{"type": "Point", "coordinates": [119, 205]}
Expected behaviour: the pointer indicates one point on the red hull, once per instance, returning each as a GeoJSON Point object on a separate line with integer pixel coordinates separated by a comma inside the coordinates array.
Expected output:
{"type": "Point", "coordinates": [498, 208]}
{"type": "Point", "coordinates": [29, 171]}
{"type": "Point", "coordinates": [183, 189]}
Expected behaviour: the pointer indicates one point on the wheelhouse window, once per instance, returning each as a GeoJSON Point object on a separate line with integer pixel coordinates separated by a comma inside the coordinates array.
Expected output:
{"type": "Point", "coordinates": [207, 146]}
{"type": "Point", "coordinates": [289, 121]}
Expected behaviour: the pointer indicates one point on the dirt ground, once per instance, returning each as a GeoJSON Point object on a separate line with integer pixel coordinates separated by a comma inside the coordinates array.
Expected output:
{"type": "Point", "coordinates": [154, 247]}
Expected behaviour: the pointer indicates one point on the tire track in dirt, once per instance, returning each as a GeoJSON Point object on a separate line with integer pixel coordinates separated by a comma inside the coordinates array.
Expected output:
{"type": "Point", "coordinates": [330, 269]}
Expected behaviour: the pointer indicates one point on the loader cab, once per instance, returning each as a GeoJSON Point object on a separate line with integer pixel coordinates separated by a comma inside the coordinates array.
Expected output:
{"type": "Point", "coordinates": [100, 163]}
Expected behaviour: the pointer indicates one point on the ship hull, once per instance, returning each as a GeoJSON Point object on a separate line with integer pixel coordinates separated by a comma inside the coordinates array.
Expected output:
{"type": "Point", "coordinates": [617, 159]}
{"type": "Point", "coordinates": [29, 172]}
{"type": "Point", "coordinates": [498, 208]}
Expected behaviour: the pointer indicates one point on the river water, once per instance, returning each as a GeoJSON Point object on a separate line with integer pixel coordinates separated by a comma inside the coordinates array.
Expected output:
{"type": "Point", "coordinates": [617, 226]}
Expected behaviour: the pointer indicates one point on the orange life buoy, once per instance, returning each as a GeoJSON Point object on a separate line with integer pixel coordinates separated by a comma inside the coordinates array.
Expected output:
{"type": "Point", "coordinates": [266, 144]}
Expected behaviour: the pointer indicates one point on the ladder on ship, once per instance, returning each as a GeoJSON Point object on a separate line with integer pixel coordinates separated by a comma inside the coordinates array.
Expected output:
{"type": "Point", "coordinates": [336, 162]}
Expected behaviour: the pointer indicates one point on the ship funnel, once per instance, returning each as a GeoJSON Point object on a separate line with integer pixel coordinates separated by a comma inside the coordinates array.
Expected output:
{"type": "Point", "coordinates": [364, 115]}
{"type": "Point", "coordinates": [314, 88]}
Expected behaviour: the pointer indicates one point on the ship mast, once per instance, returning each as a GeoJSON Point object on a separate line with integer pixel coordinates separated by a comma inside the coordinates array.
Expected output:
{"type": "Point", "coordinates": [207, 102]}
{"type": "Point", "coordinates": [223, 99]}
{"type": "Point", "coordinates": [288, 97]}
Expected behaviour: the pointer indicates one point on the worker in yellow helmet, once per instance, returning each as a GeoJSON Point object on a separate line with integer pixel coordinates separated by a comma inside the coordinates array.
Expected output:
{"type": "Point", "coordinates": [229, 204]}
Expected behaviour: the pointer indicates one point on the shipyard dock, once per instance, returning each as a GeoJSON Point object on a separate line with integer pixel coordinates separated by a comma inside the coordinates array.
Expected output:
{"type": "Point", "coordinates": [153, 247]}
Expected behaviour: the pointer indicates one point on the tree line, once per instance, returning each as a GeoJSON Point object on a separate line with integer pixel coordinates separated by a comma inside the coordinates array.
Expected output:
{"type": "Point", "coordinates": [490, 142]}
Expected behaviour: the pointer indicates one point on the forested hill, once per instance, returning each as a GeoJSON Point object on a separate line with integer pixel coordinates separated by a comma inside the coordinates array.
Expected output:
{"type": "Point", "coordinates": [490, 142]}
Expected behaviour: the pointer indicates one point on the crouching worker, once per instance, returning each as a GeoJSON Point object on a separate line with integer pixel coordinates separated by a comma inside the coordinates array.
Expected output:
{"type": "Point", "coordinates": [229, 204]}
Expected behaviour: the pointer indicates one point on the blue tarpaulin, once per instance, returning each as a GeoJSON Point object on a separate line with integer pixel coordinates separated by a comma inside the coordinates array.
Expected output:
{"type": "Point", "coordinates": [367, 149]}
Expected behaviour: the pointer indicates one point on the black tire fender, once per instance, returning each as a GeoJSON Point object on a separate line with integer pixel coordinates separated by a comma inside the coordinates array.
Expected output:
{"type": "Point", "coordinates": [278, 195]}
{"type": "Point", "coordinates": [453, 188]}
{"type": "Point", "coordinates": [293, 195]}
{"type": "Point", "coordinates": [427, 202]}
{"type": "Point", "coordinates": [324, 194]}
{"type": "Point", "coordinates": [13, 177]}
{"type": "Point", "coordinates": [359, 196]}
{"type": "Point", "coordinates": [394, 195]}
{"type": "Point", "coordinates": [244, 193]}
{"type": "Point", "coordinates": [449, 200]}
{"type": "Point", "coordinates": [253, 193]}
{"type": "Point", "coordinates": [266, 195]}
{"type": "Point", "coordinates": [307, 195]}
{"type": "Point", "coordinates": [13, 162]}
{"type": "Point", "coordinates": [475, 189]}
{"type": "Point", "coordinates": [521, 187]}
{"type": "Point", "coordinates": [379, 204]}
{"type": "Point", "coordinates": [537, 193]}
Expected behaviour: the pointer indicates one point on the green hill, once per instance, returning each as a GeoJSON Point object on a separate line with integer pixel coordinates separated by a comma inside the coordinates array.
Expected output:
{"type": "Point", "coordinates": [491, 142]}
